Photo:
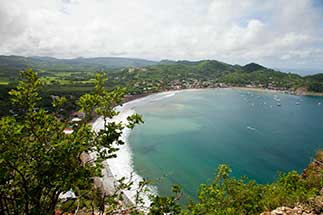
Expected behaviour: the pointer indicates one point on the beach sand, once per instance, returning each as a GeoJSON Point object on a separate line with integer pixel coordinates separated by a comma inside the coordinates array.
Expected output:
{"type": "Point", "coordinates": [122, 165]}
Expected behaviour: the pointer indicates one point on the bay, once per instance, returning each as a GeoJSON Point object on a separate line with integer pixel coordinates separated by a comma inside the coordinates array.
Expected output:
{"type": "Point", "coordinates": [258, 134]}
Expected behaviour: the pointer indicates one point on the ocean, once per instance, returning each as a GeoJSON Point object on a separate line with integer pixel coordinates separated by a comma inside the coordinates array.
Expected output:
{"type": "Point", "coordinates": [187, 134]}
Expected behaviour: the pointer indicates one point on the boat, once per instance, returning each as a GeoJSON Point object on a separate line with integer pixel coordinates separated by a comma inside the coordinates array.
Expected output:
{"type": "Point", "coordinates": [276, 98]}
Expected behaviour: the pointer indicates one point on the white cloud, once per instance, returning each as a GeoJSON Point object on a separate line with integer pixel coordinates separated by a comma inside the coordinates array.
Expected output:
{"type": "Point", "coordinates": [273, 32]}
{"type": "Point", "coordinates": [11, 22]}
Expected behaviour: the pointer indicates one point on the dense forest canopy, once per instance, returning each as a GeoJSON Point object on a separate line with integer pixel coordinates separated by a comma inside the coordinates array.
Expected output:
{"type": "Point", "coordinates": [39, 162]}
{"type": "Point", "coordinates": [74, 77]}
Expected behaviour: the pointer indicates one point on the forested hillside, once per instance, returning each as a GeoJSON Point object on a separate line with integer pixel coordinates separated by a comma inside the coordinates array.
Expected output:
{"type": "Point", "coordinates": [40, 163]}
{"type": "Point", "coordinates": [73, 77]}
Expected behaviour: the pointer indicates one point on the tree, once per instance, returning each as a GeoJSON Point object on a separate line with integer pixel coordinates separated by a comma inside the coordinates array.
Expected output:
{"type": "Point", "coordinates": [39, 161]}
{"type": "Point", "coordinates": [229, 196]}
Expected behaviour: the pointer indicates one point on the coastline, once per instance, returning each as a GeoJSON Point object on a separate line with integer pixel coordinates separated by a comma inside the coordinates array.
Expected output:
{"type": "Point", "coordinates": [257, 89]}
{"type": "Point", "coordinates": [296, 93]}
{"type": "Point", "coordinates": [110, 173]}
{"type": "Point", "coordinates": [122, 166]}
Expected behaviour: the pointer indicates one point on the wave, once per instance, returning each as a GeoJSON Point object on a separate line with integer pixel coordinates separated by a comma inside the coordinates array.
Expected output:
{"type": "Point", "coordinates": [162, 96]}
{"type": "Point", "coordinates": [122, 165]}
{"type": "Point", "coordinates": [251, 128]}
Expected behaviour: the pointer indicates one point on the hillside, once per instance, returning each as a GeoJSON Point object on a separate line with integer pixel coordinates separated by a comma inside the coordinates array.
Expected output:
{"type": "Point", "coordinates": [40, 160]}
{"type": "Point", "coordinates": [143, 76]}
{"type": "Point", "coordinates": [313, 176]}
{"type": "Point", "coordinates": [207, 73]}
{"type": "Point", "coordinates": [251, 67]}
{"type": "Point", "coordinates": [17, 63]}
{"type": "Point", "coordinates": [73, 77]}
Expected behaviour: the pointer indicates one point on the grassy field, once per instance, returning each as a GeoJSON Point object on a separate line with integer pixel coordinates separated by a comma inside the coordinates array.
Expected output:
{"type": "Point", "coordinates": [66, 78]}
{"type": "Point", "coordinates": [4, 81]}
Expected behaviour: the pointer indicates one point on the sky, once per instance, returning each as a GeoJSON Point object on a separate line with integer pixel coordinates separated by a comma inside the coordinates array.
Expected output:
{"type": "Point", "coordinates": [275, 33]}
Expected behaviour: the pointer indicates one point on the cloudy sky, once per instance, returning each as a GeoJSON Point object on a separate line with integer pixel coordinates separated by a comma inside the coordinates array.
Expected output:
{"type": "Point", "coordinates": [276, 33]}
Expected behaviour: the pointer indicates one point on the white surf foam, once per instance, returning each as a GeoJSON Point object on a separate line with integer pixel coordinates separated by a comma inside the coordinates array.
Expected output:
{"type": "Point", "coordinates": [251, 128]}
{"type": "Point", "coordinates": [122, 165]}
{"type": "Point", "coordinates": [164, 96]}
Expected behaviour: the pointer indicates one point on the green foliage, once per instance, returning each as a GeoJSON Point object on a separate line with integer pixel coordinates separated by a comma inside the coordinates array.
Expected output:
{"type": "Point", "coordinates": [59, 102]}
{"type": "Point", "coordinates": [315, 86]}
{"type": "Point", "coordinates": [26, 95]}
{"type": "Point", "coordinates": [166, 205]}
{"type": "Point", "coordinates": [251, 67]}
{"type": "Point", "coordinates": [39, 161]}
{"type": "Point", "coordinates": [17, 63]}
{"type": "Point", "coordinates": [265, 78]}
{"type": "Point", "coordinates": [289, 189]}
{"type": "Point", "coordinates": [72, 78]}
{"type": "Point", "coordinates": [227, 195]}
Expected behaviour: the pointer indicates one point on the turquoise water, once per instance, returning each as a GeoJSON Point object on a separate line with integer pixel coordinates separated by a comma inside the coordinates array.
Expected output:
{"type": "Point", "coordinates": [186, 136]}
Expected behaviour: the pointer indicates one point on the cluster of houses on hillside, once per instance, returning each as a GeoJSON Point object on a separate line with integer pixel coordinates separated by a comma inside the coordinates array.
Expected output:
{"type": "Point", "coordinates": [143, 87]}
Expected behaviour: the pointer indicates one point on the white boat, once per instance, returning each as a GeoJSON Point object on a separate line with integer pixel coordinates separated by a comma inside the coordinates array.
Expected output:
{"type": "Point", "coordinates": [276, 98]}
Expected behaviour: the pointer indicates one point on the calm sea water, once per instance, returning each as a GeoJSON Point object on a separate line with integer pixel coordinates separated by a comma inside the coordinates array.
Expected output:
{"type": "Point", "coordinates": [186, 136]}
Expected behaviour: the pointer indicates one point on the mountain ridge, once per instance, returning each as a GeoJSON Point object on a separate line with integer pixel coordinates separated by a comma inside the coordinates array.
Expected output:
{"type": "Point", "coordinates": [12, 62]}
{"type": "Point", "coordinates": [144, 76]}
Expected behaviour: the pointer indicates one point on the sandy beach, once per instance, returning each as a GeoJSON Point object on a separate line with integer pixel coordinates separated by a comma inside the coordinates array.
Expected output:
{"type": "Point", "coordinates": [122, 165]}
{"type": "Point", "coordinates": [257, 89]}
{"type": "Point", "coordinates": [297, 92]}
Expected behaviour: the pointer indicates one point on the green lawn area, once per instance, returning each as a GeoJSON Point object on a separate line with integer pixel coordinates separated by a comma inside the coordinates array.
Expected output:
{"type": "Point", "coordinates": [67, 78]}
{"type": "Point", "coordinates": [4, 82]}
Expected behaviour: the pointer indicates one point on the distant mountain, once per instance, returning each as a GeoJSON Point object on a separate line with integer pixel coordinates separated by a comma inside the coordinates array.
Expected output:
{"type": "Point", "coordinates": [251, 67]}
{"type": "Point", "coordinates": [316, 77]}
{"type": "Point", "coordinates": [14, 63]}
{"type": "Point", "coordinates": [169, 62]}
{"type": "Point", "coordinates": [151, 76]}
{"type": "Point", "coordinates": [302, 71]}
{"type": "Point", "coordinates": [202, 66]}
{"type": "Point", "coordinates": [113, 62]}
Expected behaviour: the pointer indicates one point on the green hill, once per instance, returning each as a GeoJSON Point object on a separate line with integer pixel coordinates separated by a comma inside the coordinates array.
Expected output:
{"type": "Point", "coordinates": [143, 76]}
{"type": "Point", "coordinates": [251, 67]}
{"type": "Point", "coordinates": [14, 63]}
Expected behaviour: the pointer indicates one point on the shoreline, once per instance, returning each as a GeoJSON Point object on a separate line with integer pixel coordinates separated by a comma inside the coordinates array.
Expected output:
{"type": "Point", "coordinates": [122, 166]}
{"type": "Point", "coordinates": [110, 175]}
{"type": "Point", "coordinates": [130, 98]}
{"type": "Point", "coordinates": [295, 93]}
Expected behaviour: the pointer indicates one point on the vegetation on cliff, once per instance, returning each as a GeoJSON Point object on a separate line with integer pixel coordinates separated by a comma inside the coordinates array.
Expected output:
{"type": "Point", "coordinates": [39, 162]}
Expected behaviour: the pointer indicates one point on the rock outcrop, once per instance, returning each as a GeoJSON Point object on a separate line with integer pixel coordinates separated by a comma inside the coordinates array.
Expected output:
{"type": "Point", "coordinates": [313, 207]}
{"type": "Point", "coordinates": [313, 174]}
